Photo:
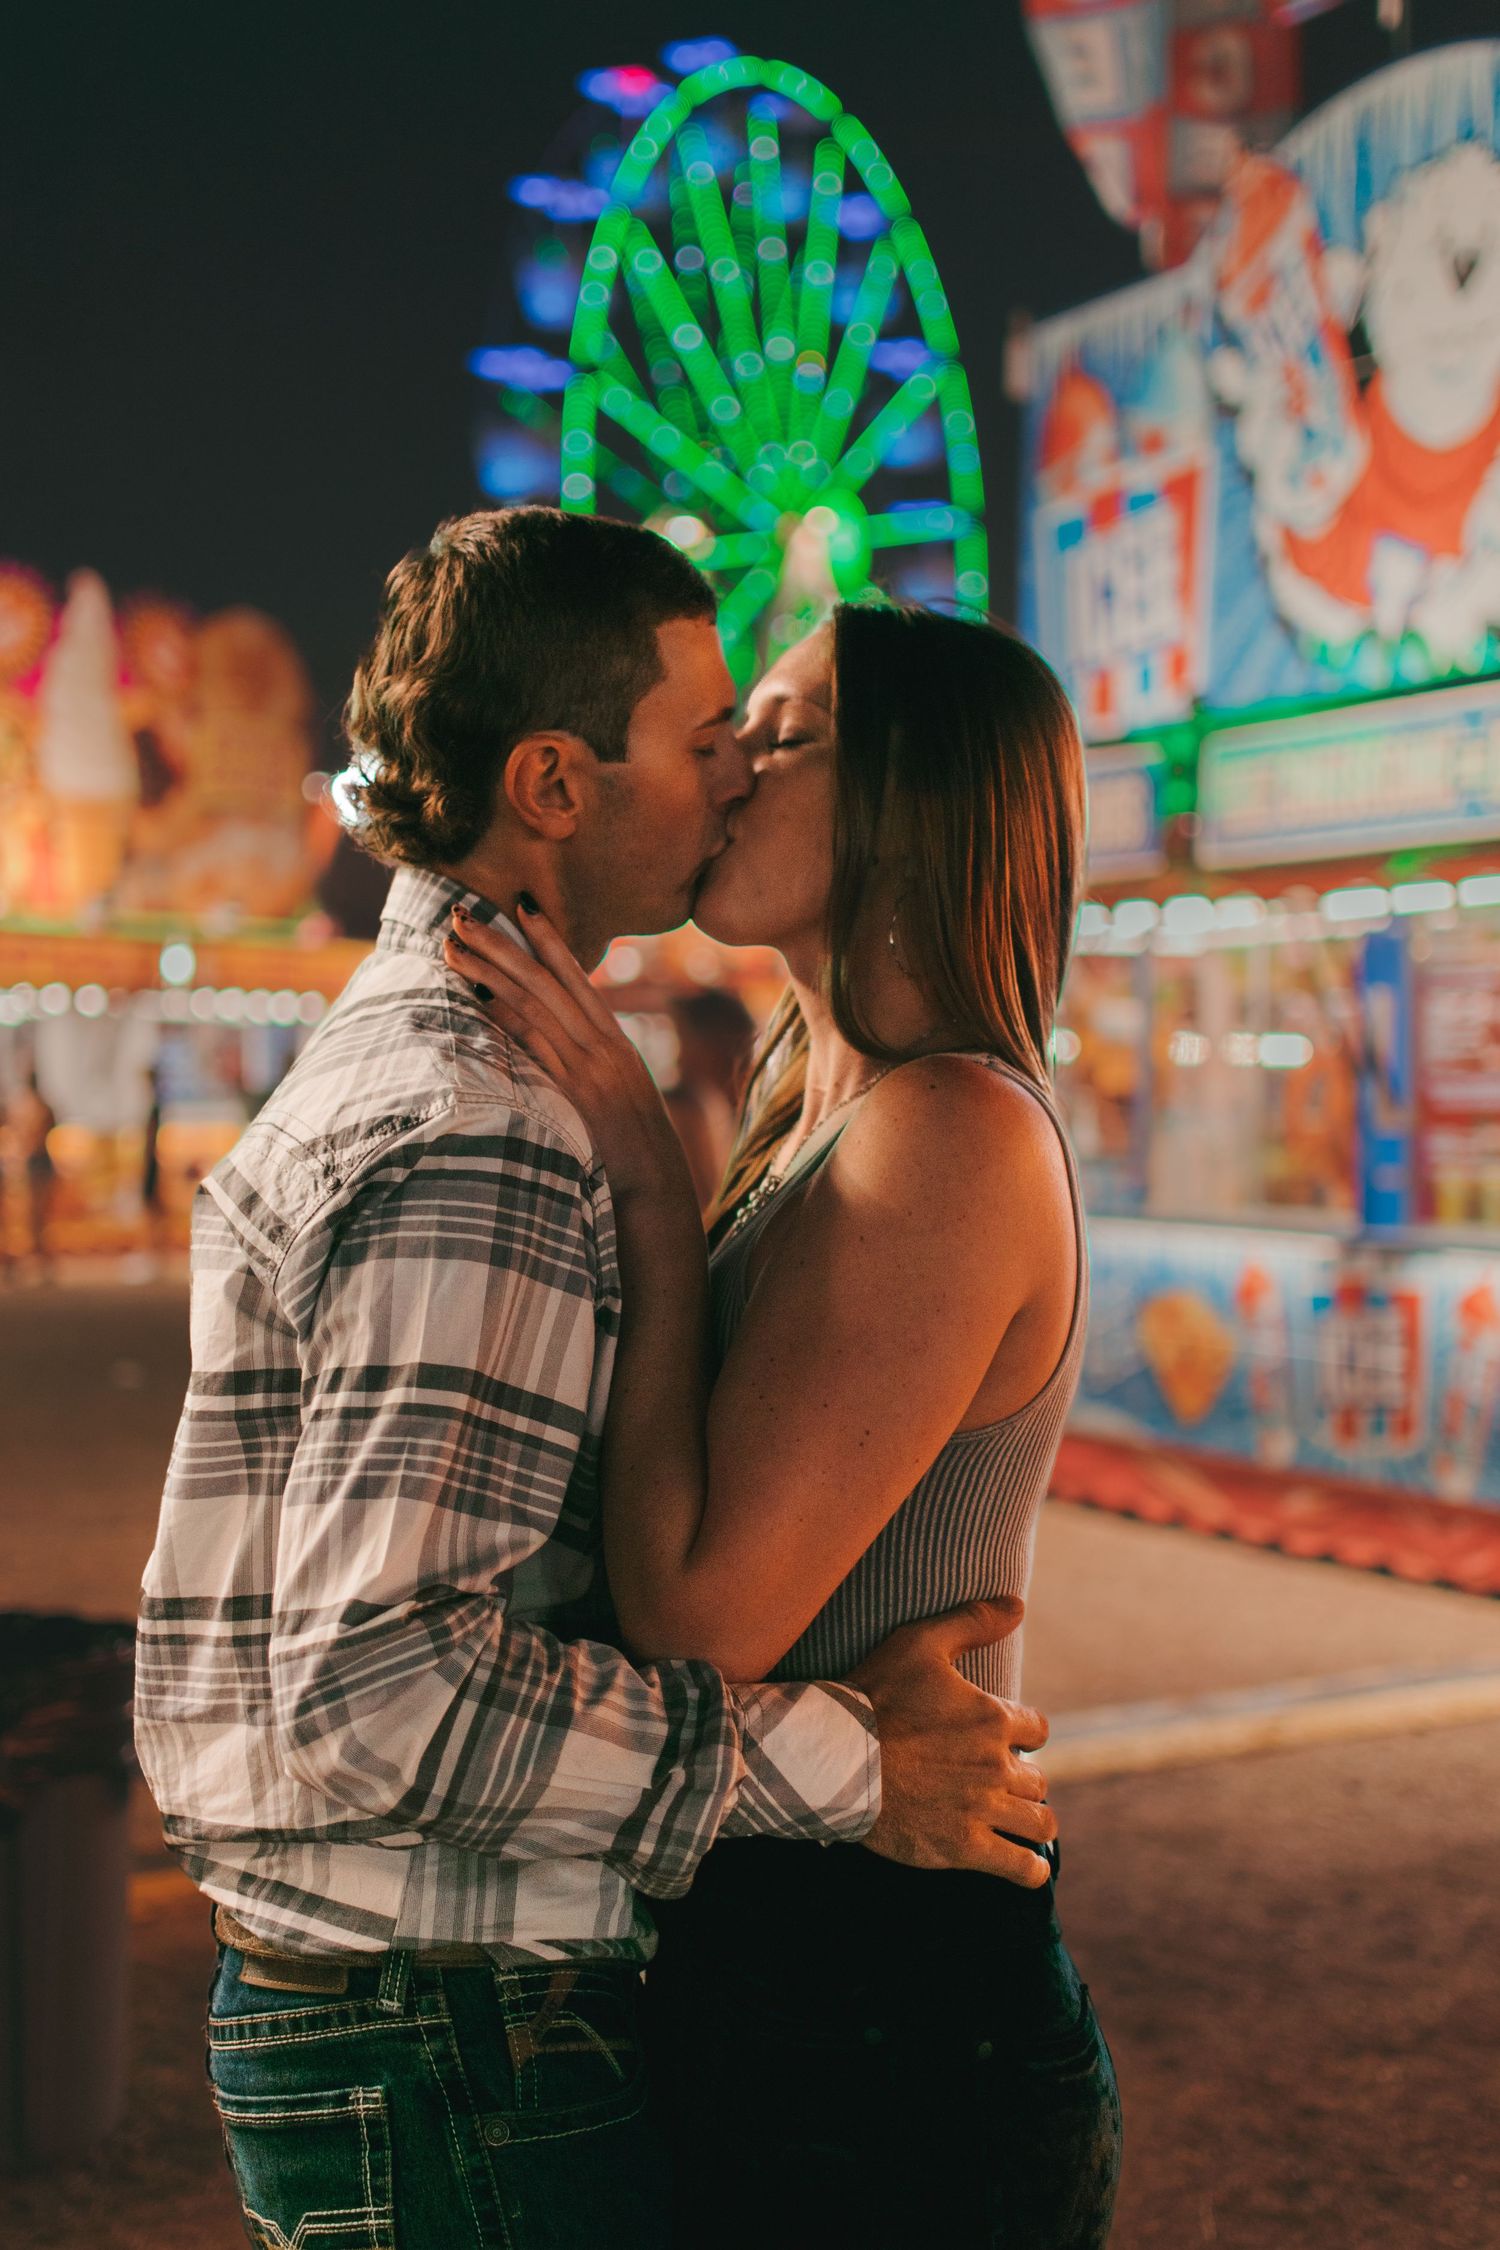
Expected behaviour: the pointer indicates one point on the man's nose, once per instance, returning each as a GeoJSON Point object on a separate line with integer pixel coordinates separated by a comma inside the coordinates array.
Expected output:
{"type": "Point", "coordinates": [734, 773]}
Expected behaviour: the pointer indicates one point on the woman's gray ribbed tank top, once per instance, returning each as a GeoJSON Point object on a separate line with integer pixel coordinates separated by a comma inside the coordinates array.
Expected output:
{"type": "Point", "coordinates": [968, 1528]}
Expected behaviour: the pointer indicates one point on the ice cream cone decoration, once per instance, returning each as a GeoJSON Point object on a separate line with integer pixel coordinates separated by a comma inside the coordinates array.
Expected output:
{"type": "Point", "coordinates": [85, 761]}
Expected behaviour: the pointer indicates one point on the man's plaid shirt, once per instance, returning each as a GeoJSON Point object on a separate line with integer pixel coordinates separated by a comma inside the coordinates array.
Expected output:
{"type": "Point", "coordinates": [368, 1701]}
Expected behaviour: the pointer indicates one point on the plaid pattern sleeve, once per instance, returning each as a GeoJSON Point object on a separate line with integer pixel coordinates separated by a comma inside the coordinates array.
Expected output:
{"type": "Point", "coordinates": [359, 1726]}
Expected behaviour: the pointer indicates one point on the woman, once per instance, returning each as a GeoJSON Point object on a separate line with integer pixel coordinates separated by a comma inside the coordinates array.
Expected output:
{"type": "Point", "coordinates": [849, 2049]}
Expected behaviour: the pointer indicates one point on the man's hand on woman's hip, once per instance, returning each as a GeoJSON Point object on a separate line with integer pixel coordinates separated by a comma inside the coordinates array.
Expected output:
{"type": "Point", "coordinates": [953, 1788]}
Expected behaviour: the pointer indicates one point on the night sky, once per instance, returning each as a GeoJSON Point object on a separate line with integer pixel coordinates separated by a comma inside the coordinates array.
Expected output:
{"type": "Point", "coordinates": [247, 249]}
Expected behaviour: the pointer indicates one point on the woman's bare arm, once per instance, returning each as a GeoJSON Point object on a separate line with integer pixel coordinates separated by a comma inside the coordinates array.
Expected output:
{"type": "Point", "coordinates": [868, 1333]}
{"type": "Point", "coordinates": [880, 1307]}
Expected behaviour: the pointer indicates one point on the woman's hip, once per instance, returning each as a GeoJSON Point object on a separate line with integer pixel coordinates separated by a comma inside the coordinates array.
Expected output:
{"type": "Point", "coordinates": [938, 2074]}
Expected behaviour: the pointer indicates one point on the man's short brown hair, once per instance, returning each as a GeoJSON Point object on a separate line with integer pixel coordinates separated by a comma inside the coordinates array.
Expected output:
{"type": "Point", "coordinates": [509, 621]}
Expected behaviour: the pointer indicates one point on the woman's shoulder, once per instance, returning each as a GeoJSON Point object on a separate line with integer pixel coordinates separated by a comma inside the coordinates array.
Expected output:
{"type": "Point", "coordinates": [963, 1108]}
{"type": "Point", "coordinates": [950, 1146]}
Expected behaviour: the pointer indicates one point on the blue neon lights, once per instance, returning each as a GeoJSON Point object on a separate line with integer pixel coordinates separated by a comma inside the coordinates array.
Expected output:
{"type": "Point", "coordinates": [687, 55]}
{"type": "Point", "coordinates": [559, 199]}
{"type": "Point", "coordinates": [523, 366]}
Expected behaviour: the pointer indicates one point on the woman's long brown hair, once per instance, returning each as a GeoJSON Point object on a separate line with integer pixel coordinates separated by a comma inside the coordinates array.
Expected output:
{"type": "Point", "coordinates": [957, 745]}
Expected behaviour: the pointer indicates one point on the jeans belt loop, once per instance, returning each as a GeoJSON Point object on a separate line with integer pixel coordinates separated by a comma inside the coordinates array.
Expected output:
{"type": "Point", "coordinates": [395, 1982]}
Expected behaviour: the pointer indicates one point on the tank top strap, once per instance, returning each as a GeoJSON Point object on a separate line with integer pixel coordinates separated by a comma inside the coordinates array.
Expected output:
{"type": "Point", "coordinates": [731, 1252]}
{"type": "Point", "coordinates": [1046, 1101]}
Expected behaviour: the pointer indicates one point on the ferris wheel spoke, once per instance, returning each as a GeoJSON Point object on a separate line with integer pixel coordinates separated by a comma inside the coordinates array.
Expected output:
{"type": "Point", "coordinates": [852, 360]}
{"type": "Point", "coordinates": [772, 262]}
{"type": "Point", "coordinates": [729, 282]}
{"type": "Point", "coordinates": [813, 287]}
{"type": "Point", "coordinates": [869, 449]}
{"type": "Point", "coordinates": [689, 260]}
{"type": "Point", "coordinates": [676, 450]}
{"type": "Point", "coordinates": [687, 339]}
{"type": "Point", "coordinates": [628, 484]}
{"type": "Point", "coordinates": [670, 389]}
{"type": "Point", "coordinates": [918, 525]}
{"type": "Point", "coordinates": [744, 604]}
{"type": "Point", "coordinates": [736, 550]}
{"type": "Point", "coordinates": [579, 445]}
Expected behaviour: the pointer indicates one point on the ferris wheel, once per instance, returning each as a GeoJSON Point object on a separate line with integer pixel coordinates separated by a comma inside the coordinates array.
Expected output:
{"type": "Point", "coordinates": [761, 360]}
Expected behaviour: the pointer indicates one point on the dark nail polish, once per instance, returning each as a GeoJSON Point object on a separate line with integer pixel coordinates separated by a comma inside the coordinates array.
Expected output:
{"type": "Point", "coordinates": [481, 992]}
{"type": "Point", "coordinates": [460, 914]}
{"type": "Point", "coordinates": [527, 903]}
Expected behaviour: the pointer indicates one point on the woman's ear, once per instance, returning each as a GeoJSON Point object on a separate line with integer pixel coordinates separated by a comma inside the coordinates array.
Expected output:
{"type": "Point", "coordinates": [545, 783]}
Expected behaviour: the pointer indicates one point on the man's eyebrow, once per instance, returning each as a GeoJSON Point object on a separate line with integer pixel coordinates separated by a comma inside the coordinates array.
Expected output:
{"type": "Point", "coordinates": [719, 719]}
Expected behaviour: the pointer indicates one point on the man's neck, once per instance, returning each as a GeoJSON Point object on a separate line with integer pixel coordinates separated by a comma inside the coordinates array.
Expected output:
{"type": "Point", "coordinates": [501, 877]}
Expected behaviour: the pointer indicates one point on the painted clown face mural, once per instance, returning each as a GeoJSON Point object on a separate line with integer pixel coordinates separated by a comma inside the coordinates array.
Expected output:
{"type": "Point", "coordinates": [1377, 502]}
{"type": "Point", "coordinates": [1307, 415]}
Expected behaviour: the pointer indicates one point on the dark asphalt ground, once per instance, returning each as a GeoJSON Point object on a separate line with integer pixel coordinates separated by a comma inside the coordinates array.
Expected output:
{"type": "Point", "coordinates": [1296, 1956]}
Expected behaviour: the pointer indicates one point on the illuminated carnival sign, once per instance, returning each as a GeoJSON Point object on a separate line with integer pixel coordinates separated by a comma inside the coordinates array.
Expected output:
{"type": "Point", "coordinates": [1421, 770]}
{"type": "Point", "coordinates": [1120, 545]}
{"type": "Point", "coordinates": [1105, 68]}
{"type": "Point", "coordinates": [1370, 1388]}
{"type": "Point", "coordinates": [1125, 823]}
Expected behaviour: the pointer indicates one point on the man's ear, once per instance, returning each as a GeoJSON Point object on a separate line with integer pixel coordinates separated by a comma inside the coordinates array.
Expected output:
{"type": "Point", "coordinates": [547, 783]}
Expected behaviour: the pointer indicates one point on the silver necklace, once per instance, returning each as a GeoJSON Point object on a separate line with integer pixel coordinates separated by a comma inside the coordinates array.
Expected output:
{"type": "Point", "coordinates": [772, 1181]}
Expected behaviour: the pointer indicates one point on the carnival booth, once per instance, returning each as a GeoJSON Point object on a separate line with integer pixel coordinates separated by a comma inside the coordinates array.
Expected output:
{"type": "Point", "coordinates": [1262, 544]}
{"type": "Point", "coordinates": [161, 957]}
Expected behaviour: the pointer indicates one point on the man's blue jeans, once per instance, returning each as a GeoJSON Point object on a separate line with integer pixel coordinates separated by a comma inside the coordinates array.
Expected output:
{"type": "Point", "coordinates": [439, 2109]}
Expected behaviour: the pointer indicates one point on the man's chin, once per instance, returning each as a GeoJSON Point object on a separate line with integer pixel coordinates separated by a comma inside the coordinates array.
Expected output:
{"type": "Point", "coordinates": [691, 904]}
{"type": "Point", "coordinates": [710, 915]}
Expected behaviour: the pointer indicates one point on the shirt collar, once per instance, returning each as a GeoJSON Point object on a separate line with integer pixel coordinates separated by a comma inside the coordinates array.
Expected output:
{"type": "Point", "coordinates": [418, 912]}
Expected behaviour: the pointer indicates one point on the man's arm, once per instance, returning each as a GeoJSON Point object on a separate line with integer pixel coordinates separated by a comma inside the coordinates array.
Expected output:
{"type": "Point", "coordinates": [448, 1358]}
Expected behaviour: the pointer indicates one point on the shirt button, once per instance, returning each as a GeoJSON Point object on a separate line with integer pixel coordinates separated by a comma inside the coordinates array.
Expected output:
{"type": "Point", "coordinates": [497, 2132]}
{"type": "Point", "coordinates": [984, 2051]}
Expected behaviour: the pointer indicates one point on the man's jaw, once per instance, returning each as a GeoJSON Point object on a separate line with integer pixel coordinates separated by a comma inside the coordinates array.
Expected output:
{"type": "Point", "coordinates": [706, 869]}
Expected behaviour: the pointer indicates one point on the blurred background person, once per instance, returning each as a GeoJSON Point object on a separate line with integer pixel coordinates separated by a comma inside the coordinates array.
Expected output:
{"type": "Point", "coordinates": [715, 1035]}
{"type": "Point", "coordinates": [32, 1175]}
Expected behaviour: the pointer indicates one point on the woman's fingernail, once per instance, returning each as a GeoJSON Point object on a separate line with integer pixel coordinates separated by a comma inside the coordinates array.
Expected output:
{"type": "Point", "coordinates": [527, 903]}
{"type": "Point", "coordinates": [481, 992]}
{"type": "Point", "coordinates": [460, 914]}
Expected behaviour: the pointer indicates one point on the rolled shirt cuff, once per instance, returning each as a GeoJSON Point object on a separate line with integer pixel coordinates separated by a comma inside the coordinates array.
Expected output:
{"type": "Point", "coordinates": [811, 1763]}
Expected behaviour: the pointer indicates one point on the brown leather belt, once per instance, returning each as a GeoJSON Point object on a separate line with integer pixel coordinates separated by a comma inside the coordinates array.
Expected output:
{"type": "Point", "coordinates": [271, 1969]}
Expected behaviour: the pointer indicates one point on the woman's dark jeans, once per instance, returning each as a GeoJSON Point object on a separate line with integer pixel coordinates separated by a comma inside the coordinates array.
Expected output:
{"type": "Point", "coordinates": [847, 2051]}
{"type": "Point", "coordinates": [440, 2109]}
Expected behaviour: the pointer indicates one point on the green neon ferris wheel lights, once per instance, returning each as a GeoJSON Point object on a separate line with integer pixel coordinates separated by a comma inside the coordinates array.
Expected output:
{"type": "Point", "coordinates": [728, 358]}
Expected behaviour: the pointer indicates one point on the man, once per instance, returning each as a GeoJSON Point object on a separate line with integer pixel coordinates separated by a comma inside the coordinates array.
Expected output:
{"type": "Point", "coordinates": [376, 1696]}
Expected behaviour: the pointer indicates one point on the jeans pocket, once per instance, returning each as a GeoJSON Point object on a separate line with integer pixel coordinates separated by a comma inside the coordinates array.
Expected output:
{"type": "Point", "coordinates": [313, 2169]}
{"type": "Point", "coordinates": [579, 2059]}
